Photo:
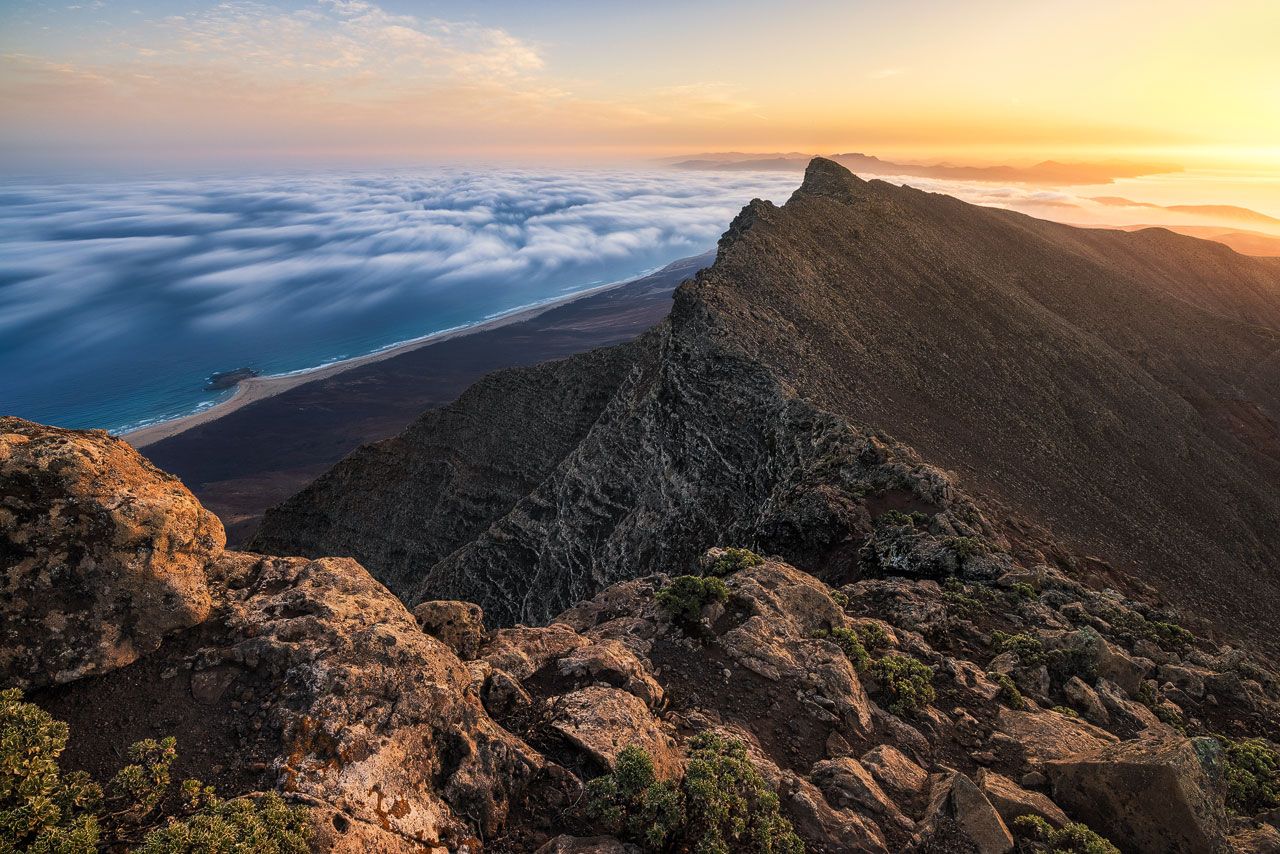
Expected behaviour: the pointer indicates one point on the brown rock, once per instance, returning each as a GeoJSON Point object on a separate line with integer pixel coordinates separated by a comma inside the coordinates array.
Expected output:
{"type": "Point", "coordinates": [1050, 735]}
{"type": "Point", "coordinates": [602, 721]}
{"type": "Point", "coordinates": [1086, 701]}
{"type": "Point", "coordinates": [1011, 800]}
{"type": "Point", "coordinates": [104, 554]}
{"type": "Point", "coordinates": [1146, 795]}
{"type": "Point", "coordinates": [611, 662]}
{"type": "Point", "coordinates": [524, 650]}
{"type": "Point", "coordinates": [848, 785]}
{"type": "Point", "coordinates": [900, 777]}
{"type": "Point", "coordinates": [459, 625]}
{"type": "Point", "coordinates": [958, 798]}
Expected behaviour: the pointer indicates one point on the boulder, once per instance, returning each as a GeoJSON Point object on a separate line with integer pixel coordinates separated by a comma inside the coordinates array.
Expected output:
{"type": "Point", "coordinates": [1146, 795]}
{"type": "Point", "coordinates": [898, 775]}
{"type": "Point", "coordinates": [612, 663]}
{"type": "Point", "coordinates": [957, 798]}
{"type": "Point", "coordinates": [1086, 701]}
{"type": "Point", "coordinates": [102, 554]}
{"type": "Point", "coordinates": [459, 625]}
{"type": "Point", "coordinates": [602, 721]}
{"type": "Point", "coordinates": [1011, 800]}
{"type": "Point", "coordinates": [1050, 735]}
{"type": "Point", "coordinates": [848, 785]}
{"type": "Point", "coordinates": [524, 650]}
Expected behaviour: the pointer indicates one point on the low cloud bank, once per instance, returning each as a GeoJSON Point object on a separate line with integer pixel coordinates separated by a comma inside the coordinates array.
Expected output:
{"type": "Point", "coordinates": [136, 290]}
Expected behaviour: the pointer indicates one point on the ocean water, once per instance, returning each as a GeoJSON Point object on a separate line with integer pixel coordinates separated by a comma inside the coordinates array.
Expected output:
{"type": "Point", "coordinates": [118, 298]}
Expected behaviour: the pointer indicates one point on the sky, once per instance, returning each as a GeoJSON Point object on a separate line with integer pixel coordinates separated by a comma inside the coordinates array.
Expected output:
{"type": "Point", "coordinates": [145, 83]}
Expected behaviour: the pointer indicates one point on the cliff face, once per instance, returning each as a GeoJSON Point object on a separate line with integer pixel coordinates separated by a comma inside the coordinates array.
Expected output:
{"type": "Point", "coordinates": [1119, 389]}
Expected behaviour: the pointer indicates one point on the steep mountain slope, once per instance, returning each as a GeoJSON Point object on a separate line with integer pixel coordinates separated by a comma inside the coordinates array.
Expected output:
{"type": "Point", "coordinates": [1120, 389]}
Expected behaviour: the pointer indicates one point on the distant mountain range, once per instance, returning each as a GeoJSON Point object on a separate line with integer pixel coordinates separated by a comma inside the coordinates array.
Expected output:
{"type": "Point", "coordinates": [1049, 172]}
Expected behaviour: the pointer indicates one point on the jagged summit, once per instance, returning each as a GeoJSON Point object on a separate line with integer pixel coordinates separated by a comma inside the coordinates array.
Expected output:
{"type": "Point", "coordinates": [823, 177]}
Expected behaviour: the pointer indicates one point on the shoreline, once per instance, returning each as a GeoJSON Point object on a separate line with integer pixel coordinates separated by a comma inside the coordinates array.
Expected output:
{"type": "Point", "coordinates": [260, 388]}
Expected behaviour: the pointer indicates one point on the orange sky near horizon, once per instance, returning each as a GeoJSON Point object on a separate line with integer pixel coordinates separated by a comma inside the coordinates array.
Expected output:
{"type": "Point", "coordinates": [396, 81]}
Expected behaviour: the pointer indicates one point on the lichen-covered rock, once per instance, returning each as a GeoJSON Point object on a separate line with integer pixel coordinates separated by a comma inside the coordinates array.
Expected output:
{"type": "Point", "coordinates": [524, 650]}
{"type": "Point", "coordinates": [1146, 795]}
{"type": "Point", "coordinates": [848, 785]}
{"type": "Point", "coordinates": [379, 722]}
{"type": "Point", "coordinates": [612, 663]}
{"type": "Point", "coordinates": [459, 625]}
{"type": "Point", "coordinates": [102, 554]}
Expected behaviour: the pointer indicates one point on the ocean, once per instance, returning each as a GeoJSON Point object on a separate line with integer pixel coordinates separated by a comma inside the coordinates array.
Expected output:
{"type": "Point", "coordinates": [119, 298]}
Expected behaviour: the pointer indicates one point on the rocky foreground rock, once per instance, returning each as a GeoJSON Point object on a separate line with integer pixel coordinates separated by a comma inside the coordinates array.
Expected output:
{"type": "Point", "coordinates": [889, 713]}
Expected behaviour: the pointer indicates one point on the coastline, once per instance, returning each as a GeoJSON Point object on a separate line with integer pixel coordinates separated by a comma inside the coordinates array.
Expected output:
{"type": "Point", "coordinates": [260, 388]}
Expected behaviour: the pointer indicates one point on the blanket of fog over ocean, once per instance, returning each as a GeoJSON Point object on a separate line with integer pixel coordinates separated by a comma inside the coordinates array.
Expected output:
{"type": "Point", "coordinates": [118, 299]}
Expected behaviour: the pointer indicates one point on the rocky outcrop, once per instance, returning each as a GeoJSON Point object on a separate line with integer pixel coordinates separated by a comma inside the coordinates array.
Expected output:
{"type": "Point", "coordinates": [103, 554]}
{"type": "Point", "coordinates": [1146, 795]}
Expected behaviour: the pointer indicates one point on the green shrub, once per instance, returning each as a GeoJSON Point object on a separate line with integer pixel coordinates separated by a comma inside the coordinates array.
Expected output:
{"type": "Point", "coordinates": [840, 599]}
{"type": "Point", "coordinates": [957, 598]}
{"type": "Point", "coordinates": [906, 683]}
{"type": "Point", "coordinates": [728, 806]}
{"type": "Point", "coordinates": [42, 810]}
{"type": "Point", "coordinates": [1028, 648]}
{"type": "Point", "coordinates": [1252, 774]}
{"type": "Point", "coordinates": [873, 636]}
{"type": "Point", "coordinates": [266, 825]}
{"type": "Point", "coordinates": [1009, 693]}
{"type": "Point", "coordinates": [966, 547]}
{"type": "Point", "coordinates": [1023, 590]}
{"type": "Point", "coordinates": [1132, 626]}
{"type": "Point", "coordinates": [721, 805]}
{"type": "Point", "coordinates": [1076, 659]}
{"type": "Point", "coordinates": [851, 645]}
{"type": "Point", "coordinates": [1037, 835]}
{"type": "Point", "coordinates": [685, 597]}
{"type": "Point", "coordinates": [632, 803]}
{"type": "Point", "coordinates": [1066, 711]}
{"type": "Point", "coordinates": [733, 560]}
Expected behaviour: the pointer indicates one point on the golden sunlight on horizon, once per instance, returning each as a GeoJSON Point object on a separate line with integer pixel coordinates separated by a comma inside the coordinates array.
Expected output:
{"type": "Point", "coordinates": [365, 82]}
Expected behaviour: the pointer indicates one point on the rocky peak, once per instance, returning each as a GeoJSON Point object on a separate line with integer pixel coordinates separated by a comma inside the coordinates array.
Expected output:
{"type": "Point", "coordinates": [823, 177]}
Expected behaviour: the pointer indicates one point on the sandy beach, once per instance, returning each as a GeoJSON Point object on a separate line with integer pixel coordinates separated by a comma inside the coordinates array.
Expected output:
{"type": "Point", "coordinates": [260, 388]}
{"type": "Point", "coordinates": [276, 434]}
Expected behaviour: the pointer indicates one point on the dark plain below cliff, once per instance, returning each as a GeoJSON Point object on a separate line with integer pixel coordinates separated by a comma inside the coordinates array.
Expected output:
{"type": "Point", "coordinates": [1106, 400]}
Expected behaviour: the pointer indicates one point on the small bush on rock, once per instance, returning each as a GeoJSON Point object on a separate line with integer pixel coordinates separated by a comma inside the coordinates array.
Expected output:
{"type": "Point", "coordinates": [721, 805]}
{"type": "Point", "coordinates": [733, 560]}
{"type": "Point", "coordinates": [632, 802]}
{"type": "Point", "coordinates": [1009, 693]}
{"type": "Point", "coordinates": [1028, 648]}
{"type": "Point", "coordinates": [1034, 834]}
{"type": "Point", "coordinates": [873, 636]}
{"type": "Point", "coordinates": [1252, 775]}
{"type": "Point", "coordinates": [685, 597]}
{"type": "Point", "coordinates": [906, 683]}
{"type": "Point", "coordinates": [851, 645]}
{"type": "Point", "coordinates": [43, 810]}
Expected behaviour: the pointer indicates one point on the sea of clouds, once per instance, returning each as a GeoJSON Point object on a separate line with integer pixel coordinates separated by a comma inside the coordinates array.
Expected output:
{"type": "Point", "coordinates": [117, 298]}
